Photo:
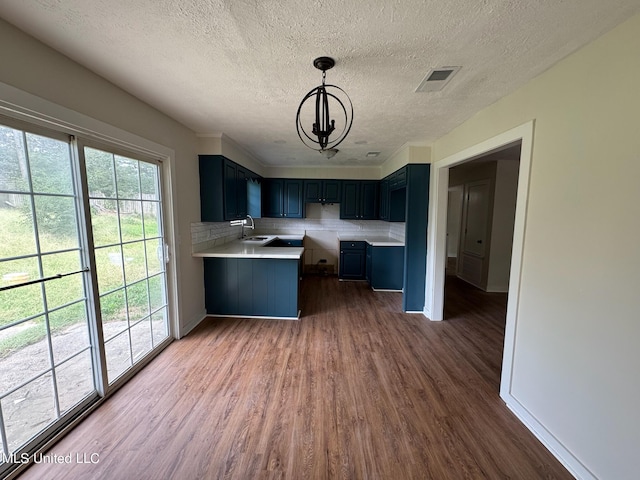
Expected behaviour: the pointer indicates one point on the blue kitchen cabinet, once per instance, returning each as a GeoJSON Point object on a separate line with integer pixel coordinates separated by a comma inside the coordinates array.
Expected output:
{"type": "Point", "coordinates": [262, 287]}
{"type": "Point", "coordinates": [292, 200]}
{"type": "Point", "coordinates": [393, 193]}
{"type": "Point", "coordinates": [359, 200]}
{"type": "Point", "coordinates": [272, 194]}
{"type": "Point", "coordinates": [223, 189]}
{"type": "Point", "coordinates": [282, 198]}
{"type": "Point", "coordinates": [398, 179]}
{"type": "Point", "coordinates": [322, 191]}
{"type": "Point", "coordinates": [416, 223]}
{"type": "Point", "coordinates": [283, 242]}
{"type": "Point", "coordinates": [383, 208]}
{"type": "Point", "coordinates": [353, 260]}
{"type": "Point", "coordinates": [385, 267]}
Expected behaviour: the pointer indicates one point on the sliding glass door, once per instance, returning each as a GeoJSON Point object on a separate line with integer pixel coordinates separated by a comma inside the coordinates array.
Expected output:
{"type": "Point", "coordinates": [82, 279]}
{"type": "Point", "coordinates": [126, 207]}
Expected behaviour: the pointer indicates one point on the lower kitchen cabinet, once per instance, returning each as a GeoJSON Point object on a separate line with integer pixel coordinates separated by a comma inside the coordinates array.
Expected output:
{"type": "Point", "coordinates": [261, 287]}
{"type": "Point", "coordinates": [385, 267]}
{"type": "Point", "coordinates": [353, 260]}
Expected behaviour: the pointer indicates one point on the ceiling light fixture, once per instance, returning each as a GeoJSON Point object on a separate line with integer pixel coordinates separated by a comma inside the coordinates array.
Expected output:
{"type": "Point", "coordinates": [323, 126]}
{"type": "Point", "coordinates": [329, 152]}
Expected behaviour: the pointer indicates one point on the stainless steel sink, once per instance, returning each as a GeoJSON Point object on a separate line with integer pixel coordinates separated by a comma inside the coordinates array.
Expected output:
{"type": "Point", "coordinates": [255, 239]}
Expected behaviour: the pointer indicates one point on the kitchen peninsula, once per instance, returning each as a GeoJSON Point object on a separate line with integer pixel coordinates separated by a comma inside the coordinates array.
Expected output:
{"type": "Point", "coordinates": [254, 277]}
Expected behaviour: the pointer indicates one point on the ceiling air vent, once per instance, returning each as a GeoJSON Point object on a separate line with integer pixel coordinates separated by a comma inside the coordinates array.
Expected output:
{"type": "Point", "coordinates": [436, 79]}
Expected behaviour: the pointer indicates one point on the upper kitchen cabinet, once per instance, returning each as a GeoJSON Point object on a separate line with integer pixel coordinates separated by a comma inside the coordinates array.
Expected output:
{"type": "Point", "coordinates": [282, 198]}
{"type": "Point", "coordinates": [322, 191]}
{"type": "Point", "coordinates": [235, 190]}
{"type": "Point", "coordinates": [223, 189]}
{"type": "Point", "coordinates": [393, 193]}
{"type": "Point", "coordinates": [398, 179]}
{"type": "Point", "coordinates": [359, 200]}
{"type": "Point", "coordinates": [383, 209]}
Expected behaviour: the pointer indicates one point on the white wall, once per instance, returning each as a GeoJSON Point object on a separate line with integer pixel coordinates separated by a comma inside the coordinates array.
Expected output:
{"type": "Point", "coordinates": [346, 173]}
{"type": "Point", "coordinates": [576, 357]}
{"type": "Point", "coordinates": [223, 145]}
{"type": "Point", "coordinates": [38, 70]}
{"type": "Point", "coordinates": [407, 154]}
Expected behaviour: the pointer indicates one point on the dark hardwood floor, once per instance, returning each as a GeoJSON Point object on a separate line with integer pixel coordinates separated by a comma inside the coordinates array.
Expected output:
{"type": "Point", "coordinates": [354, 390]}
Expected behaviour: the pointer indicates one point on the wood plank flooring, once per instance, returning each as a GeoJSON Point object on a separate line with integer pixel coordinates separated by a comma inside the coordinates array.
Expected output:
{"type": "Point", "coordinates": [354, 390]}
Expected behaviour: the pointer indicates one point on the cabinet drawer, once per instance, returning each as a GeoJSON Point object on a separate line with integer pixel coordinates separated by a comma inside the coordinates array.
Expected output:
{"type": "Point", "coordinates": [355, 245]}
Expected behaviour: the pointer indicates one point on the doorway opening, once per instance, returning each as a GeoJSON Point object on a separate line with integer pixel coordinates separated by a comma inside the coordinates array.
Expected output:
{"type": "Point", "coordinates": [521, 136]}
{"type": "Point", "coordinates": [481, 208]}
{"type": "Point", "coordinates": [481, 204]}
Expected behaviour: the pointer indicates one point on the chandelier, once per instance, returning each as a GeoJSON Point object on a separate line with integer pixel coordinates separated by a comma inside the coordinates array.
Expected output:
{"type": "Point", "coordinates": [325, 135]}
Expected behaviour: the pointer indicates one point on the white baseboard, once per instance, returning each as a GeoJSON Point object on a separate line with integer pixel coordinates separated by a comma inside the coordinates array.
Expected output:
{"type": "Point", "coordinates": [193, 323]}
{"type": "Point", "coordinates": [562, 453]}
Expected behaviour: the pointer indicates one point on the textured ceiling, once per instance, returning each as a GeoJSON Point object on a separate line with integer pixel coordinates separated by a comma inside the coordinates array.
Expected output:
{"type": "Point", "coordinates": [241, 67]}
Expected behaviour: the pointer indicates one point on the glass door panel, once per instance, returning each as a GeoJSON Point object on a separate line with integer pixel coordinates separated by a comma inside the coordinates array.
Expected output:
{"type": "Point", "coordinates": [45, 353]}
{"type": "Point", "coordinates": [126, 207]}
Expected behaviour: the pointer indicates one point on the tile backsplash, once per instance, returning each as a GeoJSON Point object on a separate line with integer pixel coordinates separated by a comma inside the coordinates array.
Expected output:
{"type": "Point", "coordinates": [206, 235]}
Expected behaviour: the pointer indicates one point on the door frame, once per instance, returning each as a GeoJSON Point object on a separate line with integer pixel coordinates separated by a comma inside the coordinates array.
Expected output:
{"type": "Point", "coordinates": [437, 234]}
{"type": "Point", "coordinates": [458, 191]}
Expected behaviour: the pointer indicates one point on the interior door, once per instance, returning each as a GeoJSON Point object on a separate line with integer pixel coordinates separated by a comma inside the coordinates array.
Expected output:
{"type": "Point", "coordinates": [474, 233]}
{"type": "Point", "coordinates": [476, 212]}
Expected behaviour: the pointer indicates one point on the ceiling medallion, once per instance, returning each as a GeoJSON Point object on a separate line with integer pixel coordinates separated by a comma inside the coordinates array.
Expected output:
{"type": "Point", "coordinates": [322, 125]}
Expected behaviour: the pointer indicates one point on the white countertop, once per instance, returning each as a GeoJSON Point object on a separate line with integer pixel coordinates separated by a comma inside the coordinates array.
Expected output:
{"type": "Point", "coordinates": [248, 248]}
{"type": "Point", "coordinates": [373, 240]}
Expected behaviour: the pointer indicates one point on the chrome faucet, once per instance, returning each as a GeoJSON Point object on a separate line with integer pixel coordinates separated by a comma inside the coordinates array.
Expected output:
{"type": "Point", "coordinates": [243, 223]}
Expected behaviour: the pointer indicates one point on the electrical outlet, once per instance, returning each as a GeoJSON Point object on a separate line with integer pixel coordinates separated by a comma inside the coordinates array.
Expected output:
{"type": "Point", "coordinates": [322, 260]}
